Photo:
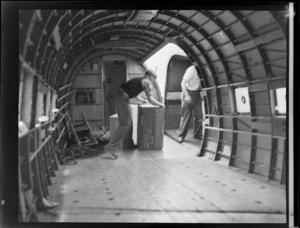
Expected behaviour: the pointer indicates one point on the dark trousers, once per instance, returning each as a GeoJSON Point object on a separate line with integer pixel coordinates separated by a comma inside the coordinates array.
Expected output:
{"type": "Point", "coordinates": [189, 109]}
{"type": "Point", "coordinates": [124, 130]}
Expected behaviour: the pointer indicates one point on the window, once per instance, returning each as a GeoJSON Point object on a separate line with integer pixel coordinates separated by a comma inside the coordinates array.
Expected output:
{"type": "Point", "coordinates": [85, 96]}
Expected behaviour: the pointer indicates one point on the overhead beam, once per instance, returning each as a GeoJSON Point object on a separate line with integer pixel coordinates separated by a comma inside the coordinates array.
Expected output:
{"type": "Point", "coordinates": [120, 44]}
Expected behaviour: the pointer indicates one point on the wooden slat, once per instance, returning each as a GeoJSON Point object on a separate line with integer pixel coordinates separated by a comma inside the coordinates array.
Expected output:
{"type": "Point", "coordinates": [65, 105]}
{"type": "Point", "coordinates": [90, 130]}
{"type": "Point", "coordinates": [74, 132]}
{"type": "Point", "coordinates": [36, 152]}
{"type": "Point", "coordinates": [64, 96]}
{"type": "Point", "coordinates": [64, 87]}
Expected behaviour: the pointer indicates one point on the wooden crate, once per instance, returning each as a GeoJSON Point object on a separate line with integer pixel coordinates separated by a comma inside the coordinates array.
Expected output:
{"type": "Point", "coordinates": [150, 127]}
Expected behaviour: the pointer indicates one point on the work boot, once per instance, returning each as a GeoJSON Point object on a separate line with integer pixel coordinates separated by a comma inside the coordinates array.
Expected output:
{"type": "Point", "coordinates": [111, 155]}
{"type": "Point", "coordinates": [49, 204]}
{"type": "Point", "coordinates": [180, 139]}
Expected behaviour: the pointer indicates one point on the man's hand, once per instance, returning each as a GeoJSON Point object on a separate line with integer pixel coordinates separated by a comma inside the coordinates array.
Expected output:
{"type": "Point", "coordinates": [188, 99]}
{"type": "Point", "coordinates": [163, 106]}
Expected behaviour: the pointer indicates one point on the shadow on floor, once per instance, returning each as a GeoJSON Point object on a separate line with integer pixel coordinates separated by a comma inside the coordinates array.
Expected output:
{"type": "Point", "coordinates": [189, 142]}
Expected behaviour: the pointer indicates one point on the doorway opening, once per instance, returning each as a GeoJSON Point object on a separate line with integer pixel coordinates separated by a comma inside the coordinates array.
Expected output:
{"type": "Point", "coordinates": [170, 63]}
{"type": "Point", "coordinates": [114, 75]}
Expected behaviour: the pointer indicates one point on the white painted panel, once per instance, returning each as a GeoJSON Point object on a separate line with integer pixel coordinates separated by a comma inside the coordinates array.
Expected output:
{"type": "Point", "coordinates": [242, 100]}
{"type": "Point", "coordinates": [39, 105]}
{"type": "Point", "coordinates": [281, 100]}
{"type": "Point", "coordinates": [134, 114]}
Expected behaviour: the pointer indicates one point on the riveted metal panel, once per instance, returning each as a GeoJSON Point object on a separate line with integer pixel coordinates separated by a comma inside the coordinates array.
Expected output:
{"type": "Point", "coordinates": [239, 31]}
{"type": "Point", "coordinates": [213, 56]}
{"type": "Point", "coordinates": [208, 77]}
{"type": "Point", "coordinates": [244, 124]}
{"type": "Point", "coordinates": [196, 35]}
{"type": "Point", "coordinates": [227, 17]}
{"type": "Point", "coordinates": [258, 72]}
{"type": "Point", "coordinates": [261, 98]}
{"type": "Point", "coordinates": [205, 45]}
{"type": "Point", "coordinates": [222, 78]}
{"type": "Point", "coordinates": [260, 19]}
{"type": "Point", "coordinates": [225, 150]}
{"type": "Point", "coordinates": [238, 75]}
{"type": "Point", "coordinates": [227, 124]}
{"type": "Point", "coordinates": [219, 67]}
{"type": "Point", "coordinates": [187, 41]}
{"type": "Point", "coordinates": [253, 57]}
{"type": "Point", "coordinates": [273, 54]}
{"type": "Point", "coordinates": [187, 13]}
{"type": "Point", "coordinates": [261, 165]}
{"type": "Point", "coordinates": [211, 27]}
{"type": "Point", "coordinates": [225, 100]}
{"type": "Point", "coordinates": [196, 50]}
{"type": "Point", "coordinates": [176, 22]}
{"type": "Point", "coordinates": [279, 159]}
{"type": "Point", "coordinates": [234, 62]}
{"type": "Point", "coordinates": [220, 38]}
{"type": "Point", "coordinates": [242, 157]}
{"type": "Point", "coordinates": [228, 49]}
{"type": "Point", "coordinates": [262, 127]}
{"type": "Point", "coordinates": [202, 59]}
{"type": "Point", "coordinates": [199, 19]}
{"type": "Point", "coordinates": [279, 126]}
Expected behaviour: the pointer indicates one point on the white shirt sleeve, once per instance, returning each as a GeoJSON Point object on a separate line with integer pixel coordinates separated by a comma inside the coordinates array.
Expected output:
{"type": "Point", "coordinates": [192, 78]}
{"type": "Point", "coordinates": [189, 73]}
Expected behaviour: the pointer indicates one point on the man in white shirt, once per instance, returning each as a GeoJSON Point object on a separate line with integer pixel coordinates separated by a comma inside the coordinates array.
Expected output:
{"type": "Point", "coordinates": [191, 103]}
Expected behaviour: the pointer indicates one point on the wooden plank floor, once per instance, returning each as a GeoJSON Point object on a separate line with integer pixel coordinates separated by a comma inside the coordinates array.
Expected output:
{"type": "Point", "coordinates": [168, 186]}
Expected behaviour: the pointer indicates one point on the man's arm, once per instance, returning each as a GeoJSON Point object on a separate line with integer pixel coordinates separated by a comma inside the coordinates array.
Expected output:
{"type": "Point", "coordinates": [153, 101]}
{"type": "Point", "coordinates": [149, 94]}
{"type": "Point", "coordinates": [183, 87]}
{"type": "Point", "coordinates": [140, 99]}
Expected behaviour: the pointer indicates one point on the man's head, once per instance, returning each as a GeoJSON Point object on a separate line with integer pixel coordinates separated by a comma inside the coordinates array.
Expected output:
{"type": "Point", "coordinates": [151, 75]}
